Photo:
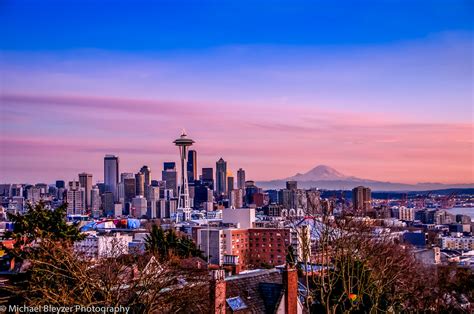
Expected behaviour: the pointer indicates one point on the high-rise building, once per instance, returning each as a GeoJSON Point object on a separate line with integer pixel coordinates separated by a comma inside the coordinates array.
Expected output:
{"type": "Point", "coordinates": [17, 205]}
{"type": "Point", "coordinates": [184, 207]}
{"type": "Point", "coordinates": [129, 189]}
{"type": "Point", "coordinates": [121, 192]}
{"type": "Point", "coordinates": [126, 175]}
{"type": "Point", "coordinates": [207, 177]}
{"type": "Point", "coordinates": [33, 194]}
{"type": "Point", "coordinates": [95, 199]}
{"type": "Point", "coordinates": [52, 190]}
{"type": "Point", "coordinates": [140, 184]}
{"type": "Point", "coordinates": [85, 180]}
{"type": "Point", "coordinates": [170, 176]}
{"type": "Point", "coordinates": [250, 190]}
{"type": "Point", "coordinates": [241, 178]}
{"type": "Point", "coordinates": [221, 177]}
{"type": "Point", "coordinates": [147, 173]}
{"type": "Point", "coordinates": [362, 199]}
{"type": "Point", "coordinates": [139, 206]}
{"type": "Point", "coordinates": [236, 198]}
{"type": "Point", "coordinates": [153, 196]}
{"type": "Point", "coordinates": [75, 199]}
{"type": "Point", "coordinates": [60, 184]}
{"type": "Point", "coordinates": [191, 166]}
{"type": "Point", "coordinates": [291, 185]}
{"type": "Point", "coordinates": [288, 198]}
{"type": "Point", "coordinates": [43, 187]}
{"type": "Point", "coordinates": [202, 194]}
{"type": "Point", "coordinates": [230, 183]}
{"type": "Point", "coordinates": [108, 203]}
{"type": "Point", "coordinates": [404, 213]}
{"type": "Point", "coordinates": [16, 190]}
{"type": "Point", "coordinates": [111, 174]}
{"type": "Point", "coordinates": [5, 190]}
{"type": "Point", "coordinates": [169, 165]}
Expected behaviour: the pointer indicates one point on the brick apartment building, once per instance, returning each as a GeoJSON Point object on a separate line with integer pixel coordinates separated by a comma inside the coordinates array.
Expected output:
{"type": "Point", "coordinates": [247, 248]}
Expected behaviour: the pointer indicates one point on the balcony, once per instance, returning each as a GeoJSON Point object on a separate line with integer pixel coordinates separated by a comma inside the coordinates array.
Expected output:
{"type": "Point", "coordinates": [231, 260]}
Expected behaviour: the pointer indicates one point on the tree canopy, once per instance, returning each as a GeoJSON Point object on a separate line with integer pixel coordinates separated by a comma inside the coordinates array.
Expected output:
{"type": "Point", "coordinates": [41, 222]}
{"type": "Point", "coordinates": [167, 243]}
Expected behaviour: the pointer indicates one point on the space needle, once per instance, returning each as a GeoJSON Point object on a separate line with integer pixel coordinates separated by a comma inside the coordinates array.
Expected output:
{"type": "Point", "coordinates": [184, 209]}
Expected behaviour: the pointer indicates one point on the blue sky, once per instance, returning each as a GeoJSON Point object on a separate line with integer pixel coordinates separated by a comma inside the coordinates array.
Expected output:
{"type": "Point", "coordinates": [188, 25]}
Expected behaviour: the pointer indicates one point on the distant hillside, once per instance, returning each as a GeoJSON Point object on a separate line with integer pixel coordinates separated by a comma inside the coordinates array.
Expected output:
{"type": "Point", "coordinates": [324, 177]}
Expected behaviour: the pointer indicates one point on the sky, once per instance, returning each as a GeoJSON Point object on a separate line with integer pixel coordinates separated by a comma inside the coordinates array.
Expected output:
{"type": "Point", "coordinates": [375, 89]}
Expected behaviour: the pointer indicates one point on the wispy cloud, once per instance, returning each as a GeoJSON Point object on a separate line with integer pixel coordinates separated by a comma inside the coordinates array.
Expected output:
{"type": "Point", "coordinates": [268, 146]}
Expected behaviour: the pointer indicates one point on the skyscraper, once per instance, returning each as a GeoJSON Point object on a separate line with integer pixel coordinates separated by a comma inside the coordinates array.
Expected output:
{"type": "Point", "coordinates": [169, 165]}
{"type": "Point", "coordinates": [221, 177]}
{"type": "Point", "coordinates": [241, 178]}
{"type": "Point", "coordinates": [108, 204]}
{"type": "Point", "coordinates": [139, 206]}
{"type": "Point", "coordinates": [75, 199]}
{"type": "Point", "coordinates": [95, 199]}
{"type": "Point", "coordinates": [170, 176]}
{"type": "Point", "coordinates": [140, 184]}
{"type": "Point", "coordinates": [236, 198]}
{"type": "Point", "coordinates": [191, 166]}
{"type": "Point", "coordinates": [85, 180]}
{"type": "Point", "coordinates": [184, 207]}
{"type": "Point", "coordinates": [130, 189]}
{"type": "Point", "coordinates": [362, 199]}
{"type": "Point", "coordinates": [153, 196]}
{"type": "Point", "coordinates": [207, 177]}
{"type": "Point", "coordinates": [60, 184]}
{"type": "Point", "coordinates": [33, 194]}
{"type": "Point", "coordinates": [126, 175]}
{"type": "Point", "coordinates": [291, 185]}
{"type": "Point", "coordinates": [230, 183]}
{"type": "Point", "coordinates": [111, 174]}
{"type": "Point", "coordinates": [147, 173]}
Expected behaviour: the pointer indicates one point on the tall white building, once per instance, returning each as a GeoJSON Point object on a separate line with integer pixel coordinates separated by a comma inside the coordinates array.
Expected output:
{"type": "Point", "coordinates": [406, 214]}
{"type": "Point", "coordinates": [75, 199]}
{"type": "Point", "coordinates": [152, 197]}
{"type": "Point", "coordinates": [243, 218]}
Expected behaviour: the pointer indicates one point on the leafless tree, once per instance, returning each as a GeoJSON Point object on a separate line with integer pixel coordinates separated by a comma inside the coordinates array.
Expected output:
{"type": "Point", "coordinates": [59, 275]}
{"type": "Point", "coordinates": [362, 267]}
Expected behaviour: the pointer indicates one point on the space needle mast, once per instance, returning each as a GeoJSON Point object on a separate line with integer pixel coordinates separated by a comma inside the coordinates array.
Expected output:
{"type": "Point", "coordinates": [184, 209]}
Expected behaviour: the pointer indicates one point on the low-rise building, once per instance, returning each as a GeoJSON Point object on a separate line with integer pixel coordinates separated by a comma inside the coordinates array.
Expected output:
{"type": "Point", "coordinates": [457, 243]}
{"type": "Point", "coordinates": [429, 256]}
{"type": "Point", "coordinates": [103, 245]}
{"type": "Point", "coordinates": [239, 217]}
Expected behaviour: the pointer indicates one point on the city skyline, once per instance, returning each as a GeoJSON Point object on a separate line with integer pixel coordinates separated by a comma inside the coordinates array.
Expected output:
{"type": "Point", "coordinates": [370, 96]}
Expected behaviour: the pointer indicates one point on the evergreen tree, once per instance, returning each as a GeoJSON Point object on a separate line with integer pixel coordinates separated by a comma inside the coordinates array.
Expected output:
{"type": "Point", "coordinates": [40, 222]}
{"type": "Point", "coordinates": [167, 243]}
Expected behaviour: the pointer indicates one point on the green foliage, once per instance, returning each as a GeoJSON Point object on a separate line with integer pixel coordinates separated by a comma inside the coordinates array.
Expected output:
{"type": "Point", "coordinates": [165, 244]}
{"type": "Point", "coordinates": [39, 223]}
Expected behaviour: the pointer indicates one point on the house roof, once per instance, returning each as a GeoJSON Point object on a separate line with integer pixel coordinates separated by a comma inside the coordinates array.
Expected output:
{"type": "Point", "coordinates": [261, 292]}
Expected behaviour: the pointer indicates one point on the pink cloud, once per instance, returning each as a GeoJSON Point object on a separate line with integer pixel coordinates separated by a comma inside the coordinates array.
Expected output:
{"type": "Point", "coordinates": [269, 142]}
